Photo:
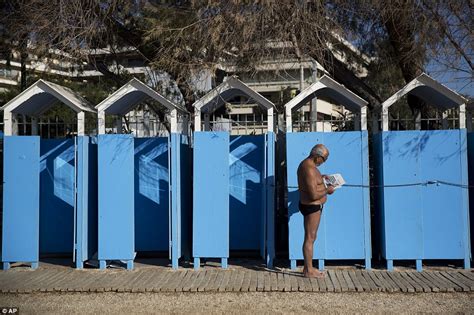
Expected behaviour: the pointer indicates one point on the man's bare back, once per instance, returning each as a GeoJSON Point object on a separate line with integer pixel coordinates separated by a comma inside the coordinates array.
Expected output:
{"type": "Point", "coordinates": [310, 184]}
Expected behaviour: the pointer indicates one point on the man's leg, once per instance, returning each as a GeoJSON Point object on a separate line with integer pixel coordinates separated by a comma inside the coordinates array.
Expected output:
{"type": "Point", "coordinates": [311, 224]}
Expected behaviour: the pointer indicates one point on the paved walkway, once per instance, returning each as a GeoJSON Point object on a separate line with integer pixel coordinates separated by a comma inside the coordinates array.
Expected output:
{"type": "Point", "coordinates": [246, 277]}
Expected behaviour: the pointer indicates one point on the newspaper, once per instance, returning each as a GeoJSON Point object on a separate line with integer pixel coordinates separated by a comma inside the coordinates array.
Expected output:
{"type": "Point", "coordinates": [334, 180]}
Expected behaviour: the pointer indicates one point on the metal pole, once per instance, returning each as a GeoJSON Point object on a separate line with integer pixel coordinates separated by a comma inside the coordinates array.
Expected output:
{"type": "Point", "coordinates": [314, 100]}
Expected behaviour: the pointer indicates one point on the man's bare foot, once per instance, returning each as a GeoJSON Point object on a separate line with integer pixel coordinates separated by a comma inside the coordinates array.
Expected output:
{"type": "Point", "coordinates": [313, 273]}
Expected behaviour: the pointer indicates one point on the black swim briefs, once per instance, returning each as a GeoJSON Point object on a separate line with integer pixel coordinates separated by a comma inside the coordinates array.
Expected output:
{"type": "Point", "coordinates": [308, 209]}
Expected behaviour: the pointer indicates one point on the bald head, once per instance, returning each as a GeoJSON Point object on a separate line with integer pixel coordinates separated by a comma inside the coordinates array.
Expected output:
{"type": "Point", "coordinates": [319, 150]}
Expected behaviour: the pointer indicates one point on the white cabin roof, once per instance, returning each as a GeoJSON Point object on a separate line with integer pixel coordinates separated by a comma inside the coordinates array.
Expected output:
{"type": "Point", "coordinates": [429, 90]}
{"type": "Point", "coordinates": [230, 88]}
{"type": "Point", "coordinates": [327, 87]}
{"type": "Point", "coordinates": [42, 95]}
{"type": "Point", "coordinates": [130, 95]}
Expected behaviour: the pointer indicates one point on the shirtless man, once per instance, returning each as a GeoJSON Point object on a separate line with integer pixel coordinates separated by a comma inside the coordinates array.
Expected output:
{"type": "Point", "coordinates": [313, 196]}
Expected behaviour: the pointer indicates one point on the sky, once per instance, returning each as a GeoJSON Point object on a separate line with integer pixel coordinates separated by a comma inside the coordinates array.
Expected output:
{"type": "Point", "coordinates": [459, 81]}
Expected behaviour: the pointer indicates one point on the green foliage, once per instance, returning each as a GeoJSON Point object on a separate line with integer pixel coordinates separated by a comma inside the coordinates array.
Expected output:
{"type": "Point", "coordinates": [8, 94]}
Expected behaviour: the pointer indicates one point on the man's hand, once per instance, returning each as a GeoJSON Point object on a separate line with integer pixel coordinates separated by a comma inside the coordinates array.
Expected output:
{"type": "Point", "coordinates": [325, 178]}
{"type": "Point", "coordinates": [330, 190]}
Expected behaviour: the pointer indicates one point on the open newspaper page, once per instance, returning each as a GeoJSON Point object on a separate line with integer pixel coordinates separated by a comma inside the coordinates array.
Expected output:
{"type": "Point", "coordinates": [335, 180]}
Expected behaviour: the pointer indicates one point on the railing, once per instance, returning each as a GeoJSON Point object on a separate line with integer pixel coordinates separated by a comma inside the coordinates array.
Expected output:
{"type": "Point", "coordinates": [144, 124]}
{"type": "Point", "coordinates": [435, 121]}
{"type": "Point", "coordinates": [324, 123]}
{"type": "Point", "coordinates": [238, 124]}
{"type": "Point", "coordinates": [48, 128]}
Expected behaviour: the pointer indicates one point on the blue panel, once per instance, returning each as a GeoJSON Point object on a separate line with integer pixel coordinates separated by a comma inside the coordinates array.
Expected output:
{"type": "Point", "coordinates": [82, 208]}
{"type": "Point", "coordinates": [346, 210]}
{"type": "Point", "coordinates": [366, 198]}
{"type": "Point", "coordinates": [246, 163]}
{"type": "Point", "coordinates": [270, 198]}
{"type": "Point", "coordinates": [427, 221]}
{"type": "Point", "coordinates": [211, 194]}
{"type": "Point", "coordinates": [470, 151]}
{"type": "Point", "coordinates": [86, 212]}
{"type": "Point", "coordinates": [151, 194]}
{"type": "Point", "coordinates": [175, 158]}
{"type": "Point", "coordinates": [402, 205]}
{"type": "Point", "coordinates": [21, 199]}
{"type": "Point", "coordinates": [443, 215]}
{"type": "Point", "coordinates": [116, 197]}
{"type": "Point", "coordinates": [171, 195]}
{"type": "Point", "coordinates": [464, 181]}
{"type": "Point", "coordinates": [57, 182]}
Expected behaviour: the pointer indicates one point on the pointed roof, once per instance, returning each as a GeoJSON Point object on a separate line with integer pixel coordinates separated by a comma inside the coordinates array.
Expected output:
{"type": "Point", "coordinates": [429, 90]}
{"type": "Point", "coordinates": [230, 88]}
{"type": "Point", "coordinates": [42, 95]}
{"type": "Point", "coordinates": [327, 87]}
{"type": "Point", "coordinates": [131, 94]}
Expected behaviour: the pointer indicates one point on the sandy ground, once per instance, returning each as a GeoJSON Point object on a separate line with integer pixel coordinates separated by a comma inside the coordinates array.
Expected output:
{"type": "Point", "coordinates": [239, 303]}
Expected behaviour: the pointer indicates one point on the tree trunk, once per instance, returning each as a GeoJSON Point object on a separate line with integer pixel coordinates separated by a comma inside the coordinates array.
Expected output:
{"type": "Point", "coordinates": [23, 71]}
{"type": "Point", "coordinates": [345, 76]}
{"type": "Point", "coordinates": [409, 57]}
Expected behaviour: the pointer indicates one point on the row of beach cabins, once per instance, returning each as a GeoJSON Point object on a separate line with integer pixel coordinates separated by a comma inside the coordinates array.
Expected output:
{"type": "Point", "coordinates": [206, 194]}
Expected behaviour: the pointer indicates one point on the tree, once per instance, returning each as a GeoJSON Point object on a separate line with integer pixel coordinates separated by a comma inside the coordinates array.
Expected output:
{"type": "Point", "coordinates": [403, 36]}
{"type": "Point", "coordinates": [182, 37]}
